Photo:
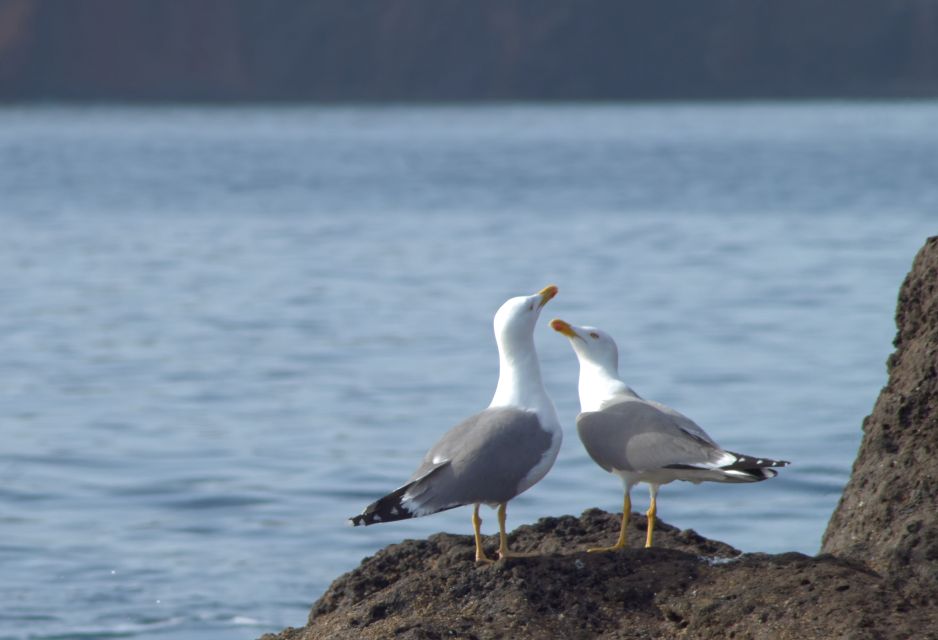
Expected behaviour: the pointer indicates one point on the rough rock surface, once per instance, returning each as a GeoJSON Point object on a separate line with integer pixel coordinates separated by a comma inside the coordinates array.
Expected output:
{"type": "Point", "coordinates": [877, 577]}
{"type": "Point", "coordinates": [689, 587]}
{"type": "Point", "coordinates": [888, 514]}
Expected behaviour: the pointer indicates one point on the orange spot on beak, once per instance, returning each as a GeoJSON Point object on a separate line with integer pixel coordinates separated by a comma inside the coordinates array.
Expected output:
{"type": "Point", "coordinates": [560, 326]}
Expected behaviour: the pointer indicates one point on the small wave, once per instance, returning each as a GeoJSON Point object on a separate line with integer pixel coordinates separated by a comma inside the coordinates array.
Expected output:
{"type": "Point", "coordinates": [120, 630]}
{"type": "Point", "coordinates": [133, 629]}
{"type": "Point", "coordinates": [716, 560]}
{"type": "Point", "coordinates": [218, 502]}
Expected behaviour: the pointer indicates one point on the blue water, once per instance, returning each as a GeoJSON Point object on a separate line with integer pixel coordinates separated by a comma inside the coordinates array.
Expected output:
{"type": "Point", "coordinates": [224, 330]}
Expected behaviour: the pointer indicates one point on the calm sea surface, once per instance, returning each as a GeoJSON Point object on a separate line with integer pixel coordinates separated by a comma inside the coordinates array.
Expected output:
{"type": "Point", "coordinates": [224, 330]}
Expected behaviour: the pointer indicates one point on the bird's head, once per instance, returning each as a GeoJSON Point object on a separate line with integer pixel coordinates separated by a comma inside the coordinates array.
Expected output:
{"type": "Point", "coordinates": [515, 319]}
{"type": "Point", "coordinates": [592, 346]}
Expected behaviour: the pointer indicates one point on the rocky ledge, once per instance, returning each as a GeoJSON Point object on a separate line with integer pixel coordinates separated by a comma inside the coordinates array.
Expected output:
{"type": "Point", "coordinates": [877, 577]}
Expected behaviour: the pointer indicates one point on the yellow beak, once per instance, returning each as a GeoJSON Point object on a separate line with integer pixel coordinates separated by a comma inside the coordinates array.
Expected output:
{"type": "Point", "coordinates": [547, 293]}
{"type": "Point", "coordinates": [560, 326]}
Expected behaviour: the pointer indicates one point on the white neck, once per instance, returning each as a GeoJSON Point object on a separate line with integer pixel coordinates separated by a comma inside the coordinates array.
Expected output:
{"type": "Point", "coordinates": [519, 377]}
{"type": "Point", "coordinates": [598, 385]}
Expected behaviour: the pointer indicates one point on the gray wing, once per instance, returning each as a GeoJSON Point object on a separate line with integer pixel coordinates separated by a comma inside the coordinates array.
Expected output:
{"type": "Point", "coordinates": [482, 459]}
{"type": "Point", "coordinates": [640, 436]}
{"type": "Point", "coordinates": [684, 422]}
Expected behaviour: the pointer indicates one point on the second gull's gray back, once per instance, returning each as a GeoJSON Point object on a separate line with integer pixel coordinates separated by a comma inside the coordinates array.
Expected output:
{"type": "Point", "coordinates": [637, 436]}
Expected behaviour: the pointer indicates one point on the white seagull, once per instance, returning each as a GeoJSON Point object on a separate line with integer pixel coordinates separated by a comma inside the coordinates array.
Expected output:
{"type": "Point", "coordinates": [644, 441]}
{"type": "Point", "coordinates": [492, 456]}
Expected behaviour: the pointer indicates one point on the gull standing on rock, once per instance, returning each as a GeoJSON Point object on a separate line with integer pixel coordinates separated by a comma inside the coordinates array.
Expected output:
{"type": "Point", "coordinates": [644, 441]}
{"type": "Point", "coordinates": [496, 454]}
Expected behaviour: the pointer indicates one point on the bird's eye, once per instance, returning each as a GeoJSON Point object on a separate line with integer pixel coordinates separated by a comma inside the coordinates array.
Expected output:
{"type": "Point", "coordinates": [531, 307]}
{"type": "Point", "coordinates": [594, 335]}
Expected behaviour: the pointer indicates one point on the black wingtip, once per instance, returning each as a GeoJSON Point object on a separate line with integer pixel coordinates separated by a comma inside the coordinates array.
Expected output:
{"type": "Point", "coordinates": [745, 463]}
{"type": "Point", "coordinates": [386, 509]}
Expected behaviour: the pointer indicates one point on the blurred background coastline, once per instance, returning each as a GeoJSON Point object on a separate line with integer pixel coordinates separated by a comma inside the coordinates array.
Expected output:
{"type": "Point", "coordinates": [427, 50]}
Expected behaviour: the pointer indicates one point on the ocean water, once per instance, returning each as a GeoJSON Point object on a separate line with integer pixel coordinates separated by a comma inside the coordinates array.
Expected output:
{"type": "Point", "coordinates": [225, 330]}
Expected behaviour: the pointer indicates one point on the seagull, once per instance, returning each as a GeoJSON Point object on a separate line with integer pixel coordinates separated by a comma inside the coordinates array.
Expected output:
{"type": "Point", "coordinates": [641, 440]}
{"type": "Point", "coordinates": [496, 454]}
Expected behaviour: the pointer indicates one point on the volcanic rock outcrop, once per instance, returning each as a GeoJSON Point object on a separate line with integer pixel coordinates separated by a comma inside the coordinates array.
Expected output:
{"type": "Point", "coordinates": [888, 514]}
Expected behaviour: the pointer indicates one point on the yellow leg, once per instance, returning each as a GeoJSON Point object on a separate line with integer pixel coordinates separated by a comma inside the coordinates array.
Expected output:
{"type": "Point", "coordinates": [503, 551]}
{"type": "Point", "coordinates": [476, 523]}
{"type": "Point", "coordinates": [626, 508]}
{"type": "Point", "coordinates": [652, 510]}
{"type": "Point", "coordinates": [502, 536]}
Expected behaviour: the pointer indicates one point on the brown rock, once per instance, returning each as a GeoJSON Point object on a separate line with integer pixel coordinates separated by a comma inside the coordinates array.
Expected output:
{"type": "Point", "coordinates": [688, 587]}
{"type": "Point", "coordinates": [888, 514]}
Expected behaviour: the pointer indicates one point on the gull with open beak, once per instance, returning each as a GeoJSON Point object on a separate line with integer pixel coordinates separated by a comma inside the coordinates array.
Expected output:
{"type": "Point", "coordinates": [492, 456]}
{"type": "Point", "coordinates": [644, 441]}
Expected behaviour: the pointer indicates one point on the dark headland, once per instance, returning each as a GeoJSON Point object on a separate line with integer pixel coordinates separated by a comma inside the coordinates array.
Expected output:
{"type": "Point", "coordinates": [433, 51]}
{"type": "Point", "coordinates": [876, 576]}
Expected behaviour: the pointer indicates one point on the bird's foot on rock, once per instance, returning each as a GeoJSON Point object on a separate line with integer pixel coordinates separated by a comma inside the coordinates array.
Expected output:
{"type": "Point", "coordinates": [614, 547]}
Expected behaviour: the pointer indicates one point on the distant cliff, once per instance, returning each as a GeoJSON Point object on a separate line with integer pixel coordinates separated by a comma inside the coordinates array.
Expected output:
{"type": "Point", "coordinates": [466, 49]}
